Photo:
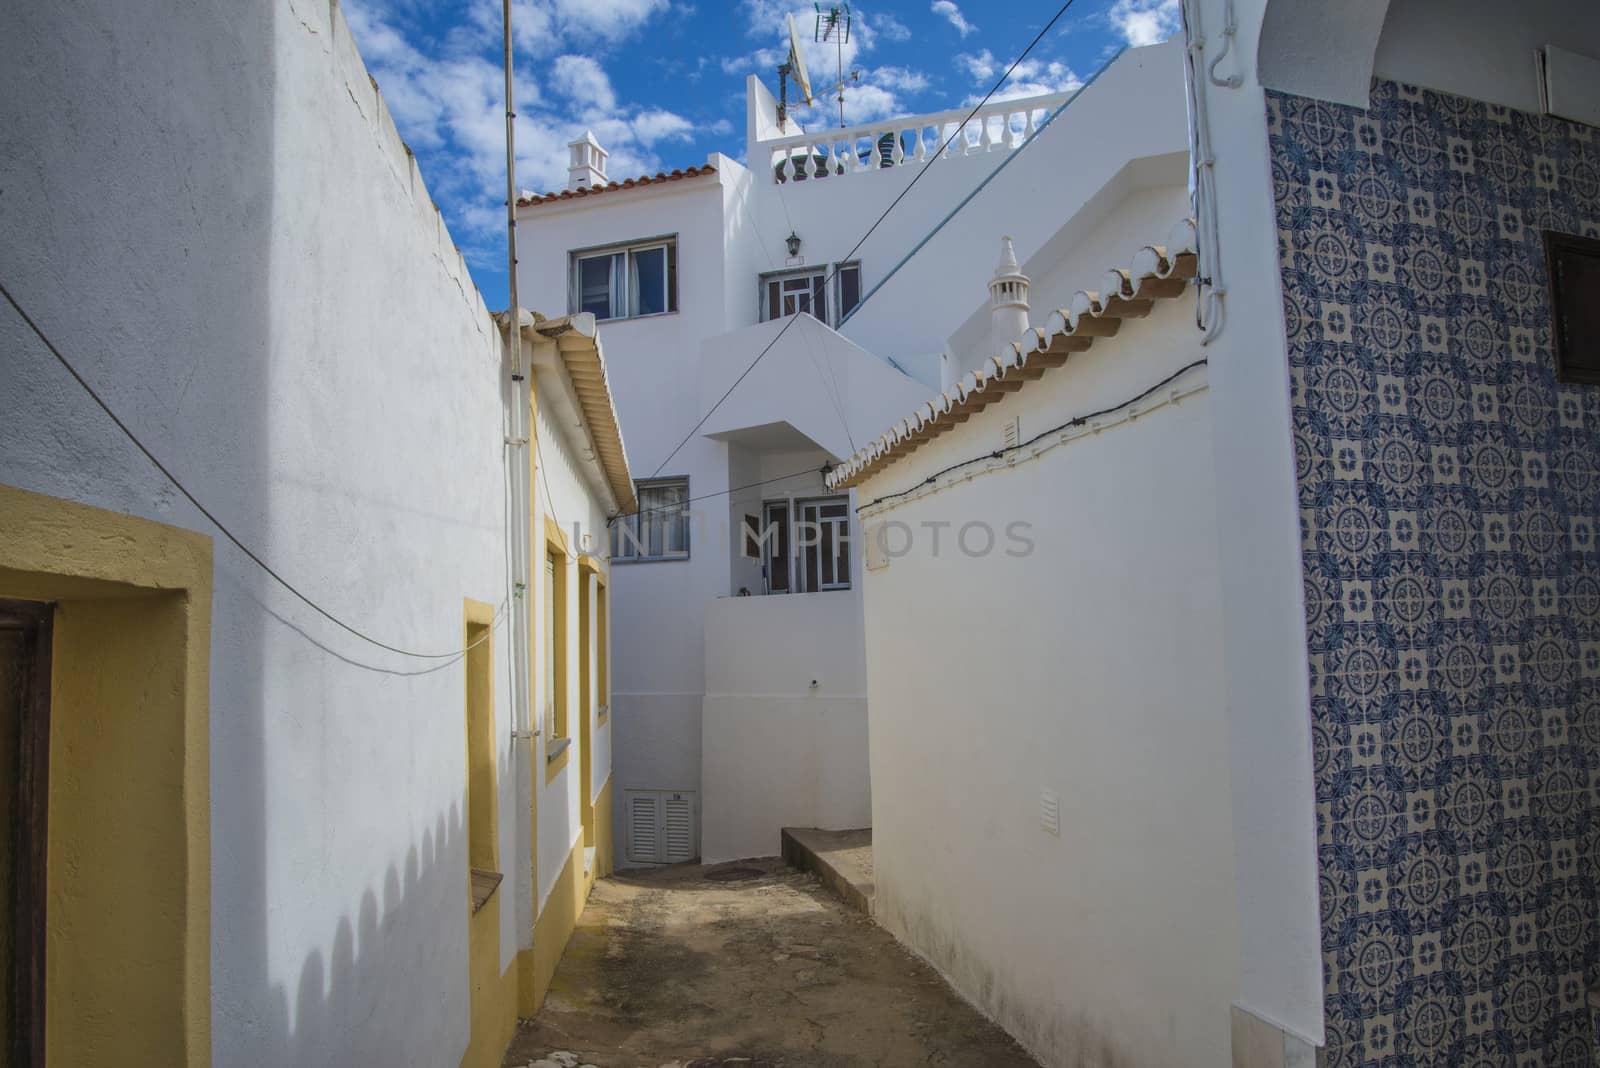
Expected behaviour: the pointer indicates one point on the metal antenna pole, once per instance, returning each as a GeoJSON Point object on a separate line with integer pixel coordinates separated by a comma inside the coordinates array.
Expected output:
{"type": "Point", "coordinates": [511, 205]}
{"type": "Point", "coordinates": [838, 42]}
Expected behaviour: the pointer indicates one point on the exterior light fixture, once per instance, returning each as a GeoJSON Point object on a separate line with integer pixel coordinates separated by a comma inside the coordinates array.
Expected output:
{"type": "Point", "coordinates": [793, 241]}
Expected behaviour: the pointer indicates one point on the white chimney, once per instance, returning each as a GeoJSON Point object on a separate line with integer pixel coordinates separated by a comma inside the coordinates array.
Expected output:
{"type": "Point", "coordinates": [588, 165]}
{"type": "Point", "coordinates": [1008, 299]}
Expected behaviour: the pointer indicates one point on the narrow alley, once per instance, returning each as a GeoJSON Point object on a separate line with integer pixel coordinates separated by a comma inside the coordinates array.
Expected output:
{"type": "Point", "coordinates": [753, 964]}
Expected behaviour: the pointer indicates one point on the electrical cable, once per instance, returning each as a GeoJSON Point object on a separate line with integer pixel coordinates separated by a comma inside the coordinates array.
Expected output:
{"type": "Point", "coordinates": [722, 493]}
{"type": "Point", "coordinates": [181, 488]}
{"type": "Point", "coordinates": [1075, 421]}
{"type": "Point", "coordinates": [926, 167]}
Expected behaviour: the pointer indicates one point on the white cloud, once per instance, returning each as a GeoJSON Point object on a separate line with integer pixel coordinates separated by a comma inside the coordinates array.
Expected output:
{"type": "Point", "coordinates": [1146, 22]}
{"type": "Point", "coordinates": [585, 83]}
{"type": "Point", "coordinates": [659, 125]}
{"type": "Point", "coordinates": [952, 14]}
{"type": "Point", "coordinates": [901, 78]}
{"type": "Point", "coordinates": [446, 95]}
{"type": "Point", "coordinates": [891, 28]}
{"type": "Point", "coordinates": [981, 67]}
{"type": "Point", "coordinates": [540, 26]}
{"type": "Point", "coordinates": [1031, 77]}
{"type": "Point", "coordinates": [610, 19]}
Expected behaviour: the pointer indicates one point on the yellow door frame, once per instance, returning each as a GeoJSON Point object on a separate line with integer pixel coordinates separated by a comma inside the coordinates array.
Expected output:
{"type": "Point", "coordinates": [129, 778]}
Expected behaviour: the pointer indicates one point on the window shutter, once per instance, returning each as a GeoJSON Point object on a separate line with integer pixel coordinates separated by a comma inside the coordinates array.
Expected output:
{"type": "Point", "coordinates": [549, 648]}
{"type": "Point", "coordinates": [643, 841]}
{"type": "Point", "coordinates": [679, 829]}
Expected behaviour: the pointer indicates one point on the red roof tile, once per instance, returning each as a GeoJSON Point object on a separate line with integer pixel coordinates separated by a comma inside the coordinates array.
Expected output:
{"type": "Point", "coordinates": [609, 187]}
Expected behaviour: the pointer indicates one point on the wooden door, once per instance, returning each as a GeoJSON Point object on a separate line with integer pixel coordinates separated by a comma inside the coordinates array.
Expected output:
{"type": "Point", "coordinates": [24, 768]}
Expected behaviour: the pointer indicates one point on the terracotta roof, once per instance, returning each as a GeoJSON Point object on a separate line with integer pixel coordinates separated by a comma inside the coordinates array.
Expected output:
{"type": "Point", "coordinates": [611, 187]}
{"type": "Point", "coordinates": [1157, 272]}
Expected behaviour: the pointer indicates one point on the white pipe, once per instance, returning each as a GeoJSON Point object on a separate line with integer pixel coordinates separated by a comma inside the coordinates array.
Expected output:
{"type": "Point", "coordinates": [517, 438]}
{"type": "Point", "coordinates": [1209, 310]}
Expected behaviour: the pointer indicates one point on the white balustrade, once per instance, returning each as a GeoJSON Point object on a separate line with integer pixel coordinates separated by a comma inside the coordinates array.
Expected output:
{"type": "Point", "coordinates": [912, 141]}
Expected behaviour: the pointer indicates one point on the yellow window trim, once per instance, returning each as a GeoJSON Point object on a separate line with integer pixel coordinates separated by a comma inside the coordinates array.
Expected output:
{"type": "Point", "coordinates": [478, 615]}
{"type": "Point", "coordinates": [135, 596]}
{"type": "Point", "coordinates": [592, 564]}
{"type": "Point", "coordinates": [555, 538]}
{"type": "Point", "coordinates": [555, 765]}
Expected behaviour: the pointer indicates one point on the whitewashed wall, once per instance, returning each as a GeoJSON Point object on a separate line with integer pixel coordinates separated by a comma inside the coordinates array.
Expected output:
{"type": "Point", "coordinates": [209, 210]}
{"type": "Point", "coordinates": [1090, 666]}
{"type": "Point", "coordinates": [565, 495]}
{"type": "Point", "coordinates": [776, 751]}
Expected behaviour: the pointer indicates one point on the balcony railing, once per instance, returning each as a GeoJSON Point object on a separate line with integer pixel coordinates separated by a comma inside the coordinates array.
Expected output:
{"type": "Point", "coordinates": [1001, 126]}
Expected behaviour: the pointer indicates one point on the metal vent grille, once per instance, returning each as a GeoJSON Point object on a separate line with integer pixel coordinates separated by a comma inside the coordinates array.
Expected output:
{"type": "Point", "coordinates": [679, 823]}
{"type": "Point", "coordinates": [662, 826]}
{"type": "Point", "coordinates": [1050, 812]}
{"type": "Point", "coordinates": [643, 817]}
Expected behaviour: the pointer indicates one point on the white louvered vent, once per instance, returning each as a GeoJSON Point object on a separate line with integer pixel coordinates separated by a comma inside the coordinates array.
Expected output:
{"type": "Point", "coordinates": [1050, 812]}
{"type": "Point", "coordinates": [644, 843]}
{"type": "Point", "coordinates": [1013, 432]}
{"type": "Point", "coordinates": [662, 826]}
{"type": "Point", "coordinates": [679, 822]}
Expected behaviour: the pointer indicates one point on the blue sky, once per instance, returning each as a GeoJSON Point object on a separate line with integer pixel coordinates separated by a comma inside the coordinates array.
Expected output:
{"type": "Point", "coordinates": [661, 82]}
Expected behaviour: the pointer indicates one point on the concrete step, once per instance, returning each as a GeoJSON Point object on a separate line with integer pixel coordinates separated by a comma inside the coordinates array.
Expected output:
{"type": "Point", "coordinates": [841, 859]}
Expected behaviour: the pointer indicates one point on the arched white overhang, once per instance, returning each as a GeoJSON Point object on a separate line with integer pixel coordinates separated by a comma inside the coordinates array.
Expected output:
{"type": "Point", "coordinates": [1320, 49]}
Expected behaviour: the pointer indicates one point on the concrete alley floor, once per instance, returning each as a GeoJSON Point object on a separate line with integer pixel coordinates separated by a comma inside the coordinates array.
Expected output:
{"type": "Point", "coordinates": [751, 964]}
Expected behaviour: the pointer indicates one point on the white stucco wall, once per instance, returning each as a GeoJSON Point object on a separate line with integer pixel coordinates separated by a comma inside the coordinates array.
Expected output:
{"type": "Point", "coordinates": [776, 751]}
{"type": "Point", "coordinates": [1091, 667]}
{"type": "Point", "coordinates": [563, 494]}
{"type": "Point", "coordinates": [210, 212]}
{"type": "Point", "coordinates": [1480, 49]}
{"type": "Point", "coordinates": [1264, 655]}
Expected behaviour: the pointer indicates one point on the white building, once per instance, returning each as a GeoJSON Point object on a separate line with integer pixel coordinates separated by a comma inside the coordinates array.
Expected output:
{"type": "Point", "coordinates": [752, 711]}
{"type": "Point", "coordinates": [1248, 705]}
{"type": "Point", "coordinates": [260, 836]}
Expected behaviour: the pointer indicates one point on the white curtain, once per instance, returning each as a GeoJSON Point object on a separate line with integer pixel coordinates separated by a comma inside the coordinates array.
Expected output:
{"type": "Point", "coordinates": [619, 289]}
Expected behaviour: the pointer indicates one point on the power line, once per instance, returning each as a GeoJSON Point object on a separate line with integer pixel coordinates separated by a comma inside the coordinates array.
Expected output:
{"type": "Point", "coordinates": [870, 230]}
{"type": "Point", "coordinates": [172, 478]}
{"type": "Point", "coordinates": [722, 493]}
{"type": "Point", "coordinates": [1075, 421]}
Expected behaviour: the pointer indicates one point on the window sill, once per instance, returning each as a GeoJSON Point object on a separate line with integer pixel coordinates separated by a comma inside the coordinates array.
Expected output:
{"type": "Point", "coordinates": [650, 559]}
{"type": "Point", "coordinates": [483, 884]}
{"type": "Point", "coordinates": [555, 750]}
{"type": "Point", "coordinates": [636, 318]}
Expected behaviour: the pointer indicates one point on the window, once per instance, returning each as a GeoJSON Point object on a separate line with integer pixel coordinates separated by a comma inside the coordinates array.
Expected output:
{"type": "Point", "coordinates": [602, 639]}
{"type": "Point", "coordinates": [1574, 267]}
{"type": "Point", "coordinates": [482, 837]}
{"type": "Point", "coordinates": [790, 292]}
{"type": "Point", "coordinates": [660, 529]}
{"type": "Point", "coordinates": [823, 538]}
{"type": "Point", "coordinates": [555, 651]}
{"type": "Point", "coordinates": [811, 553]}
{"type": "Point", "coordinates": [626, 281]}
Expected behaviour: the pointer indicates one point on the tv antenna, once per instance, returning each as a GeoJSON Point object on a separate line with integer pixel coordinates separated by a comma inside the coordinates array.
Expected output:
{"type": "Point", "coordinates": [833, 25]}
{"type": "Point", "coordinates": [792, 66]}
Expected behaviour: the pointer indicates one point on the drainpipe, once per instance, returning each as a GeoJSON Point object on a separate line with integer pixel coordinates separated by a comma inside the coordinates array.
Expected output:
{"type": "Point", "coordinates": [517, 454]}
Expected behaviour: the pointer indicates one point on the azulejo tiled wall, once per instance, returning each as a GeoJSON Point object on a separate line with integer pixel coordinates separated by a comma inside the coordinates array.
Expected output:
{"type": "Point", "coordinates": [1450, 514]}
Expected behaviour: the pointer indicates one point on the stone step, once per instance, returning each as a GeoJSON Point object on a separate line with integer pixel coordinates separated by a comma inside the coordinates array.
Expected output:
{"type": "Point", "coordinates": [841, 859]}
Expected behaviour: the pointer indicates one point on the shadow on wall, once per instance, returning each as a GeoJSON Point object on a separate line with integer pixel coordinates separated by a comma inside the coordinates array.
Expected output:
{"type": "Point", "coordinates": [169, 297]}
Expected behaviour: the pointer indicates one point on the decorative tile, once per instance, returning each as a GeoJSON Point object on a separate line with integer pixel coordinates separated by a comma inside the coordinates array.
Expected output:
{"type": "Point", "coordinates": [1450, 495]}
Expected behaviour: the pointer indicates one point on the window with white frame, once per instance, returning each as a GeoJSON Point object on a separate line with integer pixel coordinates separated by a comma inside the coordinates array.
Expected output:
{"type": "Point", "coordinates": [805, 544]}
{"type": "Point", "coordinates": [811, 290]}
{"type": "Point", "coordinates": [626, 281]}
{"type": "Point", "coordinates": [659, 530]}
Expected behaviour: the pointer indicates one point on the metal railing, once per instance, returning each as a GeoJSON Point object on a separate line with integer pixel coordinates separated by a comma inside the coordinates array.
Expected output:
{"type": "Point", "coordinates": [1000, 126]}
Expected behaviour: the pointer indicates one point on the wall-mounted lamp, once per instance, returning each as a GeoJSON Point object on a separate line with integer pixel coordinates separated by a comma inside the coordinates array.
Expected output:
{"type": "Point", "coordinates": [793, 241]}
